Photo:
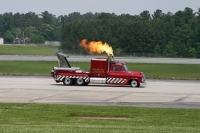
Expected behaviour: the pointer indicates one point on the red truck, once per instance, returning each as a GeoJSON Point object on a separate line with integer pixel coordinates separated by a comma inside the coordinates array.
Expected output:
{"type": "Point", "coordinates": [102, 71]}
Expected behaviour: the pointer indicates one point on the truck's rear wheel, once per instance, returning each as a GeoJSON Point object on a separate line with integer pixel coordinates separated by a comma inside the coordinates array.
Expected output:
{"type": "Point", "coordinates": [134, 83]}
{"type": "Point", "coordinates": [80, 81]}
{"type": "Point", "coordinates": [67, 81]}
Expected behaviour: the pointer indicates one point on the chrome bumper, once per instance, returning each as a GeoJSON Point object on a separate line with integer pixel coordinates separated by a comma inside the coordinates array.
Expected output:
{"type": "Point", "coordinates": [143, 82]}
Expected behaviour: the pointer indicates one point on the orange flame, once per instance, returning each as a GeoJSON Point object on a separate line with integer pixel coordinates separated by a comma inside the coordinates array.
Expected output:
{"type": "Point", "coordinates": [97, 47]}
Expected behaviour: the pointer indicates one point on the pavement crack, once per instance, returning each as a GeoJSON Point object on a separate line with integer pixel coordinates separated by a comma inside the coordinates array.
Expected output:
{"type": "Point", "coordinates": [33, 100]}
{"type": "Point", "coordinates": [8, 90]}
{"type": "Point", "coordinates": [180, 99]}
{"type": "Point", "coordinates": [117, 97]}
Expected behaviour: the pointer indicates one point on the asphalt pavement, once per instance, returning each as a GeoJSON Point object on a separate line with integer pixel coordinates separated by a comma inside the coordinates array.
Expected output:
{"type": "Point", "coordinates": [88, 58]}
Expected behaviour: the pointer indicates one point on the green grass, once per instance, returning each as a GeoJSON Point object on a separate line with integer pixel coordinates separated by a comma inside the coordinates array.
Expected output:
{"type": "Point", "coordinates": [47, 118]}
{"type": "Point", "coordinates": [27, 50]}
{"type": "Point", "coordinates": [167, 71]}
{"type": "Point", "coordinates": [163, 71]}
{"type": "Point", "coordinates": [26, 67]}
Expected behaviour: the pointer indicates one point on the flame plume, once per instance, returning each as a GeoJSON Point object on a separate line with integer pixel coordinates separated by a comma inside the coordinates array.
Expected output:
{"type": "Point", "coordinates": [97, 47]}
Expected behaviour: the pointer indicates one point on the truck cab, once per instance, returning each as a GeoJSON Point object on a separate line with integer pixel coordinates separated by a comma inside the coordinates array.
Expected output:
{"type": "Point", "coordinates": [119, 70]}
{"type": "Point", "coordinates": [109, 71]}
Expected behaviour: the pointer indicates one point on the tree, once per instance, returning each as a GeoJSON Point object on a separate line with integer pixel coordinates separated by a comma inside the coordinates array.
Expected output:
{"type": "Point", "coordinates": [47, 31]}
{"type": "Point", "coordinates": [16, 32]}
{"type": "Point", "coordinates": [89, 16]}
{"type": "Point", "coordinates": [7, 21]}
{"type": "Point", "coordinates": [8, 37]}
{"type": "Point", "coordinates": [16, 20]}
{"type": "Point", "coordinates": [188, 15]}
{"type": "Point", "coordinates": [157, 49]}
{"type": "Point", "coordinates": [106, 16]}
{"type": "Point", "coordinates": [157, 14]}
{"type": "Point", "coordinates": [145, 15]}
{"type": "Point", "coordinates": [181, 38]}
{"type": "Point", "coordinates": [192, 52]}
{"type": "Point", "coordinates": [169, 50]}
{"type": "Point", "coordinates": [37, 39]}
{"type": "Point", "coordinates": [198, 50]}
{"type": "Point", "coordinates": [75, 16]}
{"type": "Point", "coordinates": [30, 30]}
{"type": "Point", "coordinates": [1, 25]}
{"type": "Point", "coordinates": [48, 18]}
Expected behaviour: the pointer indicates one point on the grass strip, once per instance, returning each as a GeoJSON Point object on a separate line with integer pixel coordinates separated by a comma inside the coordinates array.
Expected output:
{"type": "Point", "coordinates": [16, 117]}
{"type": "Point", "coordinates": [167, 71]}
{"type": "Point", "coordinates": [27, 50]}
{"type": "Point", "coordinates": [161, 71]}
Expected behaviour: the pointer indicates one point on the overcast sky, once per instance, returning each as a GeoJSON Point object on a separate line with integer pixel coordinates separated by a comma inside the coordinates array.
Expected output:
{"type": "Point", "coordinates": [64, 7]}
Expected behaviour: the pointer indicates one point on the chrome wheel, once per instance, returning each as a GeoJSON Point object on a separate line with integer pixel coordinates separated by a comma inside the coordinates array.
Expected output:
{"type": "Point", "coordinates": [67, 81]}
{"type": "Point", "coordinates": [80, 81]}
{"type": "Point", "coordinates": [135, 83]}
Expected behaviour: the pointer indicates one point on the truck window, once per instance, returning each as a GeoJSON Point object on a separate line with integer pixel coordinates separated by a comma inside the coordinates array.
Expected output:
{"type": "Point", "coordinates": [124, 68]}
{"type": "Point", "coordinates": [116, 68]}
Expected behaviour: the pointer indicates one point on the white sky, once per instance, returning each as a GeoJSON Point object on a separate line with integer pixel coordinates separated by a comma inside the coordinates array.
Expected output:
{"type": "Point", "coordinates": [64, 7]}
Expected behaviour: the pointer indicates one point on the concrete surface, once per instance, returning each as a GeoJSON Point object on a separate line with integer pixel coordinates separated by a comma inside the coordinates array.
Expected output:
{"type": "Point", "coordinates": [88, 58]}
{"type": "Point", "coordinates": [157, 93]}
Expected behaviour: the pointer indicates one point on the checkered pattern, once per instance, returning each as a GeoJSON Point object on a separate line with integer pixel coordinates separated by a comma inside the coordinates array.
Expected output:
{"type": "Point", "coordinates": [61, 77]}
{"type": "Point", "coordinates": [115, 80]}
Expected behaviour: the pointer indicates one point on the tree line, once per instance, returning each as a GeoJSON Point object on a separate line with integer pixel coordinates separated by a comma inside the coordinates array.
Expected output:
{"type": "Point", "coordinates": [36, 28]}
{"type": "Point", "coordinates": [175, 34]}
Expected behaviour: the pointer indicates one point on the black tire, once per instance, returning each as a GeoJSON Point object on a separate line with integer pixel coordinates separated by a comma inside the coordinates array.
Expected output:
{"type": "Point", "coordinates": [67, 81]}
{"type": "Point", "coordinates": [134, 83]}
{"type": "Point", "coordinates": [86, 83]}
{"type": "Point", "coordinates": [80, 81]}
{"type": "Point", "coordinates": [52, 74]}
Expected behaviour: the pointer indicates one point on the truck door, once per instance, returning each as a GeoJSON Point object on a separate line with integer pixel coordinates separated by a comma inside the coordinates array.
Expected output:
{"type": "Point", "coordinates": [116, 75]}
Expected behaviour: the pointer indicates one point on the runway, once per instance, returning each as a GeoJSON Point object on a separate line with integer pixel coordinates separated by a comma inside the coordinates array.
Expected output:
{"type": "Point", "coordinates": [88, 58]}
{"type": "Point", "coordinates": [157, 93]}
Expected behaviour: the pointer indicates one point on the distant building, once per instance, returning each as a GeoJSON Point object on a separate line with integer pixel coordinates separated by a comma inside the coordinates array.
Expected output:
{"type": "Point", "coordinates": [52, 43]}
{"type": "Point", "coordinates": [1, 41]}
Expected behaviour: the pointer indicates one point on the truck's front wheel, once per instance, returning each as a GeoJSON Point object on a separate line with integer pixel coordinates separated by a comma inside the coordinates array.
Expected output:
{"type": "Point", "coordinates": [80, 81]}
{"type": "Point", "coordinates": [134, 83]}
{"type": "Point", "coordinates": [67, 81]}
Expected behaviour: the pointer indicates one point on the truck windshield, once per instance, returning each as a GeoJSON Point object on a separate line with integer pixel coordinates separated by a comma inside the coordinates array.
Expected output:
{"type": "Point", "coordinates": [124, 68]}
{"type": "Point", "coordinates": [62, 60]}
